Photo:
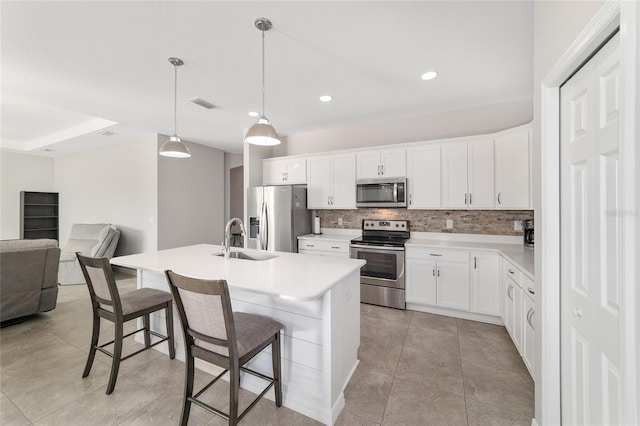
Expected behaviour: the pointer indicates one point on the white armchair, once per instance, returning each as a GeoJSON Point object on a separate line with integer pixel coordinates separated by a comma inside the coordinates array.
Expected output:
{"type": "Point", "coordinates": [95, 240]}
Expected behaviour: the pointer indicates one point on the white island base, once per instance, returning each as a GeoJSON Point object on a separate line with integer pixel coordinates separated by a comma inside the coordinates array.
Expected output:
{"type": "Point", "coordinates": [320, 338]}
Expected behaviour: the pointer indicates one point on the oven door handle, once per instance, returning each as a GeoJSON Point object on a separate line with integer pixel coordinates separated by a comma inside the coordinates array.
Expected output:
{"type": "Point", "coordinates": [377, 248]}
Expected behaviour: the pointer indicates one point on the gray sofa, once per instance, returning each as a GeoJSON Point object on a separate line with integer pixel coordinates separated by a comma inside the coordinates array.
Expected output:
{"type": "Point", "coordinates": [90, 239]}
{"type": "Point", "coordinates": [28, 277]}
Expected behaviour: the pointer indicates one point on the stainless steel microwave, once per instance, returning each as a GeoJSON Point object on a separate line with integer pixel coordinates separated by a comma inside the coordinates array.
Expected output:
{"type": "Point", "coordinates": [386, 192]}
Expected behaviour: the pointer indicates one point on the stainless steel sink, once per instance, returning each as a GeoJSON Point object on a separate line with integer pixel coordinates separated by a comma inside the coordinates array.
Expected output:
{"type": "Point", "coordinates": [247, 256]}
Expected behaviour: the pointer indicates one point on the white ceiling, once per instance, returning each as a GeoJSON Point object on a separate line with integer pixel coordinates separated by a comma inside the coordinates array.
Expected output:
{"type": "Point", "coordinates": [72, 67]}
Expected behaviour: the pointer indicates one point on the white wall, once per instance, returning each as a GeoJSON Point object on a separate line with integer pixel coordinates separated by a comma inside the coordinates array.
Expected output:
{"type": "Point", "coordinates": [230, 161]}
{"type": "Point", "coordinates": [115, 184]}
{"type": "Point", "coordinates": [20, 172]}
{"type": "Point", "coordinates": [464, 122]}
{"type": "Point", "coordinates": [190, 197]}
{"type": "Point", "coordinates": [556, 25]}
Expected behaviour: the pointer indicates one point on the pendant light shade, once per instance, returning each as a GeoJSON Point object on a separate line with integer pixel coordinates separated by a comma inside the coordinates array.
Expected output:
{"type": "Point", "coordinates": [174, 147]}
{"type": "Point", "coordinates": [262, 132]}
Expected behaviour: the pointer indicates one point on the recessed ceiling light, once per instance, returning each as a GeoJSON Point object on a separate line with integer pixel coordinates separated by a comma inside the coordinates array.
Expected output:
{"type": "Point", "coordinates": [429, 75]}
{"type": "Point", "coordinates": [254, 114]}
{"type": "Point", "coordinates": [326, 98]}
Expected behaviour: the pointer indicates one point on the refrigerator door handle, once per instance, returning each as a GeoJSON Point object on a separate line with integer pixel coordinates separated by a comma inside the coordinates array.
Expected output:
{"type": "Point", "coordinates": [265, 244]}
{"type": "Point", "coordinates": [263, 225]}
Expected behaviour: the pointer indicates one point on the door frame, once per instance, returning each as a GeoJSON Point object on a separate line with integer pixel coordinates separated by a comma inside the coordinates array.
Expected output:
{"type": "Point", "coordinates": [548, 390]}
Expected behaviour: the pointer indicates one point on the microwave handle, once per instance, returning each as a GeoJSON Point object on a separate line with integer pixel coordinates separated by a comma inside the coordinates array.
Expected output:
{"type": "Point", "coordinates": [395, 192]}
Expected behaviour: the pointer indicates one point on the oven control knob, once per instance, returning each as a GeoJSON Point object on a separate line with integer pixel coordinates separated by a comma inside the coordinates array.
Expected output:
{"type": "Point", "coordinates": [397, 225]}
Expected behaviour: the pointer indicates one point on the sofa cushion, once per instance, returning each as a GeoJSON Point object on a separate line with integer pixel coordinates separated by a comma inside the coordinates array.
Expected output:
{"type": "Point", "coordinates": [13, 245]}
{"type": "Point", "coordinates": [106, 242]}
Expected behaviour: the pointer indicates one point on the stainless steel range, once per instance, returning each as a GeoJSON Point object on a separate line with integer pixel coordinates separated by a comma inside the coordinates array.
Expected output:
{"type": "Point", "coordinates": [382, 246]}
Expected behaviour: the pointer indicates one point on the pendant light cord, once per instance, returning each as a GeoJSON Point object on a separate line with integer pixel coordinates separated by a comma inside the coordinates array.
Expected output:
{"type": "Point", "coordinates": [175, 100]}
{"type": "Point", "coordinates": [263, 73]}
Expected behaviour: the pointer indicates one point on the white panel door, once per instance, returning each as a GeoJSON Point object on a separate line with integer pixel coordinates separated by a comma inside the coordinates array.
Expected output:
{"type": "Point", "coordinates": [296, 171]}
{"type": "Point", "coordinates": [454, 175]}
{"type": "Point", "coordinates": [319, 183]}
{"type": "Point", "coordinates": [423, 176]}
{"type": "Point", "coordinates": [512, 171]}
{"type": "Point", "coordinates": [344, 182]}
{"type": "Point", "coordinates": [485, 283]}
{"type": "Point", "coordinates": [393, 162]}
{"type": "Point", "coordinates": [480, 178]}
{"type": "Point", "coordinates": [453, 285]}
{"type": "Point", "coordinates": [421, 281]}
{"type": "Point", "coordinates": [368, 165]}
{"type": "Point", "coordinates": [590, 331]}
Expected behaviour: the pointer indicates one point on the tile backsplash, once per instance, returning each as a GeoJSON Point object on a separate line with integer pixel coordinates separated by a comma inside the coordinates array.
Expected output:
{"type": "Point", "coordinates": [494, 222]}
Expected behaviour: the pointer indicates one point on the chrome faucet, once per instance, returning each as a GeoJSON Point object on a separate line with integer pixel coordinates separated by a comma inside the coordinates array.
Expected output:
{"type": "Point", "coordinates": [226, 249]}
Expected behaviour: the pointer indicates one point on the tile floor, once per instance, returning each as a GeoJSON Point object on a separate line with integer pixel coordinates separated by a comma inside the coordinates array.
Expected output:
{"type": "Point", "coordinates": [415, 369]}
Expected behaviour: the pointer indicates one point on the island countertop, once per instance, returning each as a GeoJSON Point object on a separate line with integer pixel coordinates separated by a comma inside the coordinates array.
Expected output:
{"type": "Point", "coordinates": [289, 276]}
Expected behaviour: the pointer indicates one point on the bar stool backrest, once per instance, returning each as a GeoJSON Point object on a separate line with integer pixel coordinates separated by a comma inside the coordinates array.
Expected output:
{"type": "Point", "coordinates": [205, 313]}
{"type": "Point", "coordinates": [100, 281]}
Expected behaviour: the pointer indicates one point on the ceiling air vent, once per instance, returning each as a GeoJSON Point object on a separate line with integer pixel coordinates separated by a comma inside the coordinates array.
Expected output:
{"type": "Point", "coordinates": [106, 133]}
{"type": "Point", "coordinates": [202, 103]}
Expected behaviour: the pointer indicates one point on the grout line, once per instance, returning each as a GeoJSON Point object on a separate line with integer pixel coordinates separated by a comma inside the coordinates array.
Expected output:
{"type": "Point", "coordinates": [464, 392]}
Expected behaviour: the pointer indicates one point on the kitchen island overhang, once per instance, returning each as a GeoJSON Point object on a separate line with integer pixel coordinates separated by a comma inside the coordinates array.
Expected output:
{"type": "Point", "coordinates": [316, 298]}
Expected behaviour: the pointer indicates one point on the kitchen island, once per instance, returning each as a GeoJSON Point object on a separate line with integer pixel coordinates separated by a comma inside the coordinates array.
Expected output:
{"type": "Point", "coordinates": [316, 298]}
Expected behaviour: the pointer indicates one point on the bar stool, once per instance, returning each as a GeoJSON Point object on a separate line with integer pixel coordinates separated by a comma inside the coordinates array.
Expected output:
{"type": "Point", "coordinates": [216, 334]}
{"type": "Point", "coordinates": [107, 303]}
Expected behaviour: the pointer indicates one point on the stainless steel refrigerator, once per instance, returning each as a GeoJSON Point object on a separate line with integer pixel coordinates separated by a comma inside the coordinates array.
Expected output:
{"type": "Point", "coordinates": [277, 216]}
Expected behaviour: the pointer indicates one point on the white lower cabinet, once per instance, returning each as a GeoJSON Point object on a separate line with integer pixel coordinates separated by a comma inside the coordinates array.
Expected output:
{"type": "Point", "coordinates": [513, 308]}
{"type": "Point", "coordinates": [528, 337]}
{"type": "Point", "coordinates": [438, 277]}
{"type": "Point", "coordinates": [485, 283]}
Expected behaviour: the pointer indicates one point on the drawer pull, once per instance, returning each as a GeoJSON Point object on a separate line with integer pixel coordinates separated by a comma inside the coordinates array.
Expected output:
{"type": "Point", "coordinates": [311, 245]}
{"type": "Point", "coordinates": [530, 290]}
{"type": "Point", "coordinates": [435, 254]}
{"type": "Point", "coordinates": [335, 247]}
{"type": "Point", "coordinates": [511, 271]}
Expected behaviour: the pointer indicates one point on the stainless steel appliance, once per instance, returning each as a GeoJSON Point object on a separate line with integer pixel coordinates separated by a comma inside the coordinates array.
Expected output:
{"type": "Point", "coordinates": [277, 216]}
{"type": "Point", "coordinates": [528, 233]}
{"type": "Point", "coordinates": [385, 192]}
{"type": "Point", "coordinates": [382, 246]}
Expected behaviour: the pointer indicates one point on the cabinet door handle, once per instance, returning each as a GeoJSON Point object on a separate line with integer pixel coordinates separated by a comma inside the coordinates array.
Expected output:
{"type": "Point", "coordinates": [465, 199]}
{"type": "Point", "coordinates": [475, 262]}
{"type": "Point", "coordinates": [409, 199]}
{"type": "Point", "coordinates": [530, 290]}
{"type": "Point", "coordinates": [469, 198]}
{"type": "Point", "coordinates": [378, 169]}
{"type": "Point", "coordinates": [530, 318]}
{"type": "Point", "coordinates": [438, 271]}
{"type": "Point", "coordinates": [382, 168]}
{"type": "Point", "coordinates": [329, 200]}
{"type": "Point", "coordinates": [509, 292]}
{"type": "Point", "coordinates": [435, 254]}
{"type": "Point", "coordinates": [499, 197]}
{"type": "Point", "coordinates": [332, 200]}
{"type": "Point", "coordinates": [434, 272]}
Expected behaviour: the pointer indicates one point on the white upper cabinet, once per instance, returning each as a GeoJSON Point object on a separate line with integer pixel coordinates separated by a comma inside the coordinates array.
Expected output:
{"type": "Point", "coordinates": [381, 163]}
{"type": "Point", "coordinates": [481, 182]}
{"type": "Point", "coordinates": [331, 182]}
{"type": "Point", "coordinates": [284, 171]}
{"type": "Point", "coordinates": [423, 177]}
{"type": "Point", "coordinates": [467, 175]}
{"type": "Point", "coordinates": [513, 171]}
{"type": "Point", "coordinates": [454, 175]}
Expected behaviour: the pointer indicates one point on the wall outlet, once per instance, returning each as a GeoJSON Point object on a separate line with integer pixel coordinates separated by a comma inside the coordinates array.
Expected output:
{"type": "Point", "coordinates": [517, 225]}
{"type": "Point", "coordinates": [339, 221]}
{"type": "Point", "coordinates": [449, 224]}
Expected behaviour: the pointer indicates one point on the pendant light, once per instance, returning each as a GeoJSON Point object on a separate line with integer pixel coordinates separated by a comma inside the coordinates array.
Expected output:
{"type": "Point", "coordinates": [174, 147]}
{"type": "Point", "coordinates": [262, 132]}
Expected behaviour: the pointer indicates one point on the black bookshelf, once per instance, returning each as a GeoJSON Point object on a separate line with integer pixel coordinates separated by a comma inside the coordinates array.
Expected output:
{"type": "Point", "coordinates": [38, 215]}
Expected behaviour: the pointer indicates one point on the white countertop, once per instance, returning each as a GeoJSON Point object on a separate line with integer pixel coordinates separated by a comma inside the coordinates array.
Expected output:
{"type": "Point", "coordinates": [289, 276]}
{"type": "Point", "coordinates": [516, 253]}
